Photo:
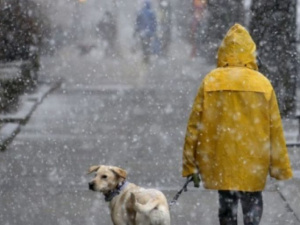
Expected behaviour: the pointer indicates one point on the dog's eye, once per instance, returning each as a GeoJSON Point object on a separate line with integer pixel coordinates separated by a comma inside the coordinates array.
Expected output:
{"type": "Point", "coordinates": [103, 177]}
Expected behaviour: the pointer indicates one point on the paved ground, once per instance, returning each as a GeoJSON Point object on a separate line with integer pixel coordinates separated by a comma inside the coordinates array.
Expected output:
{"type": "Point", "coordinates": [117, 112]}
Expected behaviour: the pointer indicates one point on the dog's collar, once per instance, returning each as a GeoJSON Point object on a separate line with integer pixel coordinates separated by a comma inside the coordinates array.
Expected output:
{"type": "Point", "coordinates": [110, 195]}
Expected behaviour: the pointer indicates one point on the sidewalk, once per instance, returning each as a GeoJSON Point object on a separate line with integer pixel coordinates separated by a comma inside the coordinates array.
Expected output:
{"type": "Point", "coordinates": [11, 121]}
{"type": "Point", "coordinates": [201, 207]}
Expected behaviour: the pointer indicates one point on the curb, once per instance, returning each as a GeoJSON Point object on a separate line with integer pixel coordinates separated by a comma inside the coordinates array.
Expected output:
{"type": "Point", "coordinates": [12, 121]}
{"type": "Point", "coordinates": [7, 133]}
{"type": "Point", "coordinates": [288, 206]}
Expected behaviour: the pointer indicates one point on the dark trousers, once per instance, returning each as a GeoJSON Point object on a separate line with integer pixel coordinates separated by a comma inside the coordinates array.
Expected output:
{"type": "Point", "coordinates": [146, 47]}
{"type": "Point", "coordinates": [252, 206]}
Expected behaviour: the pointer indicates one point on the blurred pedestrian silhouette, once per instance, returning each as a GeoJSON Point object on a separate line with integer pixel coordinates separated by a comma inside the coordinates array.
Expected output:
{"type": "Point", "coordinates": [145, 29]}
{"type": "Point", "coordinates": [198, 14]}
{"type": "Point", "coordinates": [107, 28]}
{"type": "Point", "coordinates": [164, 26]}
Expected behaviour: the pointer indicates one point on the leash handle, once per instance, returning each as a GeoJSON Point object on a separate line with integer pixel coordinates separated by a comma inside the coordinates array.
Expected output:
{"type": "Point", "coordinates": [184, 188]}
{"type": "Point", "coordinates": [186, 184]}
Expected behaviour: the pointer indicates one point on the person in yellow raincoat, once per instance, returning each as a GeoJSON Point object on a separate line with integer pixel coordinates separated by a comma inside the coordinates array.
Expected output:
{"type": "Point", "coordinates": [234, 135]}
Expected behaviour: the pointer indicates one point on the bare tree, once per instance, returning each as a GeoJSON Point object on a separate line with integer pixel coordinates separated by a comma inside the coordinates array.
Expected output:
{"type": "Point", "coordinates": [23, 30]}
{"type": "Point", "coordinates": [273, 27]}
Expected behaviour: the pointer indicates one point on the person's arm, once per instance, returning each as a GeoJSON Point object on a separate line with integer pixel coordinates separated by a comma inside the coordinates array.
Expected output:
{"type": "Point", "coordinates": [191, 138]}
{"type": "Point", "coordinates": [280, 167]}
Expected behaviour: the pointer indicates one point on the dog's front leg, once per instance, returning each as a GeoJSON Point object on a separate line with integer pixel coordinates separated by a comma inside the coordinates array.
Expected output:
{"type": "Point", "coordinates": [117, 221]}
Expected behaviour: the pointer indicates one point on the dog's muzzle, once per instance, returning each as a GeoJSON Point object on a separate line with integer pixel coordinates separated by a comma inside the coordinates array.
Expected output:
{"type": "Point", "coordinates": [92, 186]}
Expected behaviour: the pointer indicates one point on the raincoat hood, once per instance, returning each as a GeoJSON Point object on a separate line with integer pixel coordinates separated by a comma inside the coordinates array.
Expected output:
{"type": "Point", "coordinates": [237, 49]}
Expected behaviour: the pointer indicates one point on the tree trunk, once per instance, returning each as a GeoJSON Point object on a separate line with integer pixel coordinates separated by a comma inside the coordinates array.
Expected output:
{"type": "Point", "coordinates": [183, 16]}
{"type": "Point", "coordinates": [222, 15]}
{"type": "Point", "coordinates": [273, 28]}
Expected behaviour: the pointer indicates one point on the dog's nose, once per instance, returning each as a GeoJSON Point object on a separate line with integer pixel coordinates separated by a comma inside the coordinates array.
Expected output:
{"type": "Point", "coordinates": [91, 185]}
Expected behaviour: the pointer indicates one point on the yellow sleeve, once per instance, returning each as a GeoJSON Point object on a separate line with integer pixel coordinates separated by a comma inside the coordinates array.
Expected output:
{"type": "Point", "coordinates": [280, 167]}
{"type": "Point", "coordinates": [191, 138]}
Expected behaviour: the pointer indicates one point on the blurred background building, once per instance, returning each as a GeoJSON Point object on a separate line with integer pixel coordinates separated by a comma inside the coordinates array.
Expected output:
{"type": "Point", "coordinates": [272, 23]}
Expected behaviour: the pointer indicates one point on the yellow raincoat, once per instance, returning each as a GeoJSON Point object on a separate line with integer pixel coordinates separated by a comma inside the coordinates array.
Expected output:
{"type": "Point", "coordinates": [234, 135]}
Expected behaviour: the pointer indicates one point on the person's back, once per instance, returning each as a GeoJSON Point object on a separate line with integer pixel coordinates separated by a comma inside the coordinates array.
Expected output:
{"type": "Point", "coordinates": [235, 136]}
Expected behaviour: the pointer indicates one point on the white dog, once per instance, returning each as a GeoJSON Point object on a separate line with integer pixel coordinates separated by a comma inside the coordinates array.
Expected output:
{"type": "Point", "coordinates": [129, 203]}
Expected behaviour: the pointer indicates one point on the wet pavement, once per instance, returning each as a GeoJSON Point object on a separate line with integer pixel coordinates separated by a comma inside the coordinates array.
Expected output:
{"type": "Point", "coordinates": [117, 112]}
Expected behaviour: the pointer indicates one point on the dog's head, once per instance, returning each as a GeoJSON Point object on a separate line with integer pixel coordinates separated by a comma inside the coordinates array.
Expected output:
{"type": "Point", "coordinates": [106, 178]}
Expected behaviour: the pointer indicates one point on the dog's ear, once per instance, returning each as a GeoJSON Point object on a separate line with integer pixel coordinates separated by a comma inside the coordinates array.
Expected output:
{"type": "Point", "coordinates": [93, 169]}
{"type": "Point", "coordinates": [119, 172]}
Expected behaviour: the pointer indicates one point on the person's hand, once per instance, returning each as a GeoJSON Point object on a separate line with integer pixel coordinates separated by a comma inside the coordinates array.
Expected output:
{"type": "Point", "coordinates": [196, 179]}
